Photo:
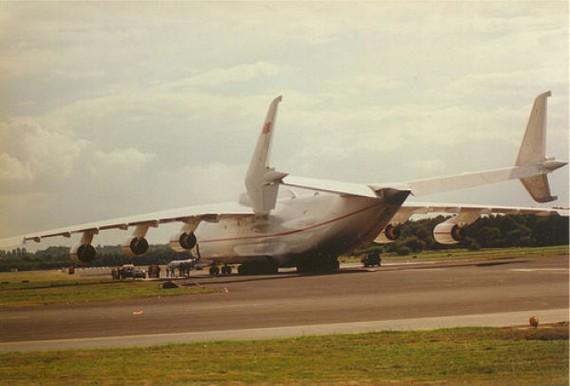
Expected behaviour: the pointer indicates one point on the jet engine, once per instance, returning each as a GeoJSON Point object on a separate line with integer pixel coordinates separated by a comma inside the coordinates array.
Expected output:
{"type": "Point", "coordinates": [448, 233]}
{"type": "Point", "coordinates": [83, 253]}
{"type": "Point", "coordinates": [392, 232]}
{"type": "Point", "coordinates": [183, 241]}
{"type": "Point", "coordinates": [135, 246]}
{"type": "Point", "coordinates": [389, 234]}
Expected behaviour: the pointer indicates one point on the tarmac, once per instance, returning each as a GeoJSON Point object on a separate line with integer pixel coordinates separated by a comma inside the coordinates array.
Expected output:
{"type": "Point", "coordinates": [394, 297]}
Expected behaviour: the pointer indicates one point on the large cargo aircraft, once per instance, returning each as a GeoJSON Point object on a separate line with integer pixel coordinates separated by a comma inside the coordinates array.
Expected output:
{"type": "Point", "coordinates": [266, 230]}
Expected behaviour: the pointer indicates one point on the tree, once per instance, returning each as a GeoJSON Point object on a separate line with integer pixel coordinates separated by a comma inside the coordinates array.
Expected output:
{"type": "Point", "coordinates": [414, 244]}
{"type": "Point", "coordinates": [403, 251]}
{"type": "Point", "coordinates": [471, 244]}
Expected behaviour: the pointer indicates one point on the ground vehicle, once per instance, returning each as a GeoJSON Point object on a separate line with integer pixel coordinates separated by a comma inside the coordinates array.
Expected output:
{"type": "Point", "coordinates": [372, 258]}
{"type": "Point", "coordinates": [153, 271]}
{"type": "Point", "coordinates": [129, 270]}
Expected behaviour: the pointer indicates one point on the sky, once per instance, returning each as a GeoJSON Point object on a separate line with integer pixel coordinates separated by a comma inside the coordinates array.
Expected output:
{"type": "Point", "coordinates": [115, 109]}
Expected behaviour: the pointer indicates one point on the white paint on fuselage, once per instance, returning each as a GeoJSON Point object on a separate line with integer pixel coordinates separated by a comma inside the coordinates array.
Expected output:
{"type": "Point", "coordinates": [298, 227]}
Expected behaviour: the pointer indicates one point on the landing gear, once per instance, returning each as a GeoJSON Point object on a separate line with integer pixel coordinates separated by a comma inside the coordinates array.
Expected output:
{"type": "Point", "coordinates": [325, 264]}
{"type": "Point", "coordinates": [226, 270]}
{"type": "Point", "coordinates": [258, 268]}
{"type": "Point", "coordinates": [332, 265]}
{"type": "Point", "coordinates": [214, 270]}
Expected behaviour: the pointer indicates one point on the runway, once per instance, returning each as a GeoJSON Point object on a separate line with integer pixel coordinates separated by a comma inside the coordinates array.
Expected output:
{"type": "Point", "coordinates": [394, 297]}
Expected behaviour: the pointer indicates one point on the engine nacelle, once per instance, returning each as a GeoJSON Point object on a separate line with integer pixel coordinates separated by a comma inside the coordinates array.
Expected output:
{"type": "Point", "coordinates": [448, 233]}
{"type": "Point", "coordinates": [135, 246]}
{"type": "Point", "coordinates": [392, 232]}
{"type": "Point", "coordinates": [183, 241]}
{"type": "Point", "coordinates": [83, 253]}
{"type": "Point", "coordinates": [389, 234]}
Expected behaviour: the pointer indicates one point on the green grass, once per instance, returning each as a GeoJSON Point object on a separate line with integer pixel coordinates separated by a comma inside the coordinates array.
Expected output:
{"type": "Point", "coordinates": [489, 356]}
{"type": "Point", "coordinates": [464, 254]}
{"type": "Point", "coordinates": [36, 288]}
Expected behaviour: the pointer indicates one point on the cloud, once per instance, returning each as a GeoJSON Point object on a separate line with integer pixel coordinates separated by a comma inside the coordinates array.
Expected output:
{"type": "Point", "coordinates": [31, 152]}
{"type": "Point", "coordinates": [53, 176]}
{"type": "Point", "coordinates": [429, 168]}
{"type": "Point", "coordinates": [11, 169]}
{"type": "Point", "coordinates": [509, 83]}
{"type": "Point", "coordinates": [199, 184]}
{"type": "Point", "coordinates": [50, 153]}
{"type": "Point", "coordinates": [126, 108]}
{"type": "Point", "coordinates": [14, 205]}
{"type": "Point", "coordinates": [222, 76]}
{"type": "Point", "coordinates": [120, 161]}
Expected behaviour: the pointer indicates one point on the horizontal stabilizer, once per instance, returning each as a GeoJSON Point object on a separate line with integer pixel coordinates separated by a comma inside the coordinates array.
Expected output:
{"type": "Point", "coordinates": [538, 188]}
{"type": "Point", "coordinates": [468, 180]}
{"type": "Point", "coordinates": [329, 186]}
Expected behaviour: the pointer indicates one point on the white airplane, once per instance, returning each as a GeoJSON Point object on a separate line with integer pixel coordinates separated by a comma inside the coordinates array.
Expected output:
{"type": "Point", "coordinates": [265, 230]}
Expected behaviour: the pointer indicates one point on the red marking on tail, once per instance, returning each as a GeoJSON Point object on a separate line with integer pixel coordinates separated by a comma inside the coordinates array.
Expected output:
{"type": "Point", "coordinates": [266, 127]}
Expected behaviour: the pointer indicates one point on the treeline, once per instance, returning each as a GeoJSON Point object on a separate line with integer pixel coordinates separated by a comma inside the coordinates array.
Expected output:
{"type": "Point", "coordinates": [486, 232]}
{"type": "Point", "coordinates": [58, 257]}
{"type": "Point", "coordinates": [416, 236]}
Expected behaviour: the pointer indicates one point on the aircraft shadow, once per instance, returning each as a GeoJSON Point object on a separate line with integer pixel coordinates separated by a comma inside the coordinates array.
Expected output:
{"type": "Point", "coordinates": [493, 263]}
{"type": "Point", "coordinates": [277, 276]}
{"type": "Point", "coordinates": [235, 278]}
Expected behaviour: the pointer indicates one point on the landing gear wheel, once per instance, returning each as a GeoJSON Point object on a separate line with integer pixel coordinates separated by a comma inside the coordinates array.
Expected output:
{"type": "Point", "coordinates": [329, 265]}
{"type": "Point", "coordinates": [226, 270]}
{"type": "Point", "coordinates": [214, 270]}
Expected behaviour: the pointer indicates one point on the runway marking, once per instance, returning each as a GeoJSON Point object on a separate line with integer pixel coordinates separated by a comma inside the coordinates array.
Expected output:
{"type": "Point", "coordinates": [422, 269]}
{"type": "Point", "coordinates": [490, 320]}
{"type": "Point", "coordinates": [564, 270]}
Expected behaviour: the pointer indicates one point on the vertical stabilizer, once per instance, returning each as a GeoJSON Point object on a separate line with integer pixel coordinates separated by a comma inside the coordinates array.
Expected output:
{"type": "Point", "coordinates": [260, 180]}
{"type": "Point", "coordinates": [533, 150]}
{"type": "Point", "coordinates": [533, 147]}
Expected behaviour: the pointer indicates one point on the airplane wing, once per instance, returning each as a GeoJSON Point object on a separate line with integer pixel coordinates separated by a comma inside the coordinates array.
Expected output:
{"type": "Point", "coordinates": [191, 214]}
{"type": "Point", "coordinates": [455, 208]}
{"type": "Point", "coordinates": [463, 215]}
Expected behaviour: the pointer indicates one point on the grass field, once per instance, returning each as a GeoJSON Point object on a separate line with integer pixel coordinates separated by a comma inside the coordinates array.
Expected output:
{"type": "Point", "coordinates": [487, 356]}
{"type": "Point", "coordinates": [36, 288]}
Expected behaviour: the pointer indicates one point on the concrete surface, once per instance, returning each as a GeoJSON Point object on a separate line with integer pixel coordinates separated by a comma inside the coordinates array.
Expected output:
{"type": "Point", "coordinates": [502, 292]}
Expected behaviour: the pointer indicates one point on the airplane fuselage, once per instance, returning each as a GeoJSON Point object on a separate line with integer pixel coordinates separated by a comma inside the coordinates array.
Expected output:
{"type": "Point", "coordinates": [298, 228]}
